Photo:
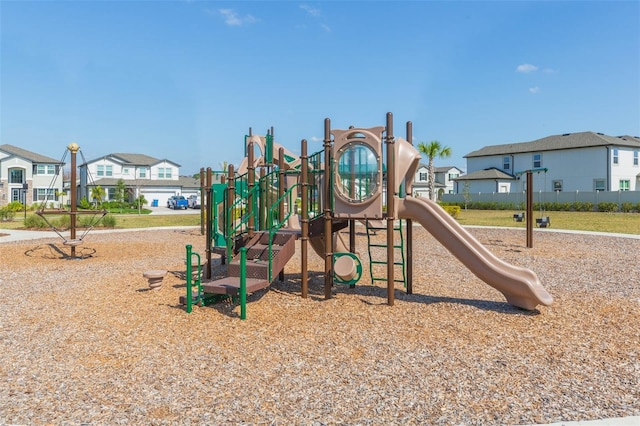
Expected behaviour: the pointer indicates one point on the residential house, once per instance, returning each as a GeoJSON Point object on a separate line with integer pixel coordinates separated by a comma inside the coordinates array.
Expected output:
{"type": "Point", "coordinates": [444, 180]}
{"type": "Point", "coordinates": [29, 177]}
{"type": "Point", "coordinates": [583, 162]}
{"type": "Point", "coordinates": [155, 179]}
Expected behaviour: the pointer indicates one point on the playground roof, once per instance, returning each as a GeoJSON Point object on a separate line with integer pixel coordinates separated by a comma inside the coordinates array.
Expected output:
{"type": "Point", "coordinates": [558, 142]}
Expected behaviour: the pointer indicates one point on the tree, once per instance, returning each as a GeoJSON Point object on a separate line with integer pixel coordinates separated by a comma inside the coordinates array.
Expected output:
{"type": "Point", "coordinates": [121, 190]}
{"type": "Point", "coordinates": [433, 149]}
{"type": "Point", "coordinates": [97, 194]}
{"type": "Point", "coordinates": [224, 166]}
{"type": "Point", "coordinates": [466, 193]}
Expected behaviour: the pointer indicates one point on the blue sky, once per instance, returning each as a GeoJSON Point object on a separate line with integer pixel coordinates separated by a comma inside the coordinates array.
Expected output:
{"type": "Point", "coordinates": [184, 80]}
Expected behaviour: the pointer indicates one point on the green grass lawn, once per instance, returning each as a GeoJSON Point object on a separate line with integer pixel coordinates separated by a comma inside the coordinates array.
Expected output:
{"type": "Point", "coordinates": [624, 223]}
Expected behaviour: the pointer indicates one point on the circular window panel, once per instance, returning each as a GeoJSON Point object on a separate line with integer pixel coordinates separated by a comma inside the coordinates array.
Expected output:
{"type": "Point", "coordinates": [357, 173]}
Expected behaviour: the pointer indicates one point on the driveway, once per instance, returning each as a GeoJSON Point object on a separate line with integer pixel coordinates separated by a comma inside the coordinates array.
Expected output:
{"type": "Point", "coordinates": [165, 210]}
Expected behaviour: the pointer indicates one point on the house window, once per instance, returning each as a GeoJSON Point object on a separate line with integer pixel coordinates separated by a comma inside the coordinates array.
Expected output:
{"type": "Point", "coordinates": [423, 177]}
{"type": "Point", "coordinates": [598, 184]}
{"type": "Point", "coordinates": [111, 193]}
{"type": "Point", "coordinates": [103, 170]}
{"type": "Point", "coordinates": [557, 185]}
{"type": "Point", "coordinates": [537, 161]}
{"type": "Point", "coordinates": [45, 169]}
{"type": "Point", "coordinates": [452, 176]}
{"type": "Point", "coordinates": [615, 156]}
{"type": "Point", "coordinates": [506, 163]}
{"type": "Point", "coordinates": [16, 176]}
{"type": "Point", "coordinates": [142, 173]}
{"type": "Point", "coordinates": [635, 158]}
{"type": "Point", "coordinates": [624, 184]}
{"type": "Point", "coordinates": [43, 194]}
{"type": "Point", "coordinates": [125, 171]}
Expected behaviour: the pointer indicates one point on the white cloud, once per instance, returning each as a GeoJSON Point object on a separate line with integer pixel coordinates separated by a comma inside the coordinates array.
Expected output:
{"type": "Point", "coordinates": [233, 19]}
{"type": "Point", "coordinates": [525, 68]}
{"type": "Point", "coordinates": [534, 89]}
{"type": "Point", "coordinates": [310, 10]}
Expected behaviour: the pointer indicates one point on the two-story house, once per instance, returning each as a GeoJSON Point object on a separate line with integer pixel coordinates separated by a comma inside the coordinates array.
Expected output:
{"type": "Point", "coordinates": [444, 180]}
{"type": "Point", "coordinates": [155, 179]}
{"type": "Point", "coordinates": [29, 177]}
{"type": "Point", "coordinates": [585, 161]}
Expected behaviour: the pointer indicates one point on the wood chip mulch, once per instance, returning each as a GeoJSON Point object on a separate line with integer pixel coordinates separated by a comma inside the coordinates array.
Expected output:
{"type": "Point", "coordinates": [86, 341]}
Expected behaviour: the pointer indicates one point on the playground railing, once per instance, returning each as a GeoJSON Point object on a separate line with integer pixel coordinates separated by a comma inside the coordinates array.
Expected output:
{"type": "Point", "coordinates": [288, 195]}
{"type": "Point", "coordinates": [314, 180]}
{"type": "Point", "coordinates": [238, 218]}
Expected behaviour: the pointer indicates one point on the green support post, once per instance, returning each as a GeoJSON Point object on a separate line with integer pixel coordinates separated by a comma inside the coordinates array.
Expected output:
{"type": "Point", "coordinates": [243, 283]}
{"type": "Point", "coordinates": [199, 298]}
{"type": "Point", "coordinates": [188, 278]}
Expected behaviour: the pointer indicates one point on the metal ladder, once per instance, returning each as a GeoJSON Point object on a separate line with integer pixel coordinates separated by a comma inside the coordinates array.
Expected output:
{"type": "Point", "coordinates": [372, 227]}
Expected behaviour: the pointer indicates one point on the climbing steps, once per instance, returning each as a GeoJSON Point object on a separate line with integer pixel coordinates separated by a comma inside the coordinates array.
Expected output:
{"type": "Point", "coordinates": [260, 271]}
{"type": "Point", "coordinates": [265, 259]}
{"type": "Point", "coordinates": [378, 252]}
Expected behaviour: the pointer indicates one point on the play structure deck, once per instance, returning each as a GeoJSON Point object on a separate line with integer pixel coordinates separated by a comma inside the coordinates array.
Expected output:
{"type": "Point", "coordinates": [255, 214]}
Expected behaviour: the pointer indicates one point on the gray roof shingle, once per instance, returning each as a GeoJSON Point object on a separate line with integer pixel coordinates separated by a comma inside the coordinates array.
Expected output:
{"type": "Point", "coordinates": [557, 142]}
{"type": "Point", "coordinates": [491, 174]}
{"type": "Point", "coordinates": [28, 155]}
{"type": "Point", "coordinates": [186, 182]}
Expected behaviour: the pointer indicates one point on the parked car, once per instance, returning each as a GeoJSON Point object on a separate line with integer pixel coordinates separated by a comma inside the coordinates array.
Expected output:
{"type": "Point", "coordinates": [177, 202]}
{"type": "Point", "coordinates": [194, 201]}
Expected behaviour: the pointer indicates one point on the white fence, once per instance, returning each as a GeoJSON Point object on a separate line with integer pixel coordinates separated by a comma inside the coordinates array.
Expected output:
{"type": "Point", "coordinates": [520, 198]}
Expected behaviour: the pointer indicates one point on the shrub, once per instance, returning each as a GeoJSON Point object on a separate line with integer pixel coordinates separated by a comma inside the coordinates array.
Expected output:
{"type": "Point", "coordinates": [626, 207]}
{"type": "Point", "coordinates": [606, 206]}
{"type": "Point", "coordinates": [35, 222]}
{"type": "Point", "coordinates": [63, 222]}
{"type": "Point", "coordinates": [454, 211]}
{"type": "Point", "coordinates": [109, 221]}
{"type": "Point", "coordinates": [85, 204]}
{"type": "Point", "coordinates": [15, 206]}
{"type": "Point", "coordinates": [6, 214]}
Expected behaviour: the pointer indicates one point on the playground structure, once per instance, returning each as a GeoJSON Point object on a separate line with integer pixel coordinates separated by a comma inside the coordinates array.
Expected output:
{"type": "Point", "coordinates": [361, 175]}
{"type": "Point", "coordinates": [45, 213]}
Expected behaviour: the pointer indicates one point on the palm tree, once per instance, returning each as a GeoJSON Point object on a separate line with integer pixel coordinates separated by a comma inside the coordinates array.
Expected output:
{"type": "Point", "coordinates": [97, 194]}
{"type": "Point", "coordinates": [433, 149]}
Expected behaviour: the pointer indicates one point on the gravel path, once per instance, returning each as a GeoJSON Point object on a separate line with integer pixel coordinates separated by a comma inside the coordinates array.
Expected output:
{"type": "Point", "coordinates": [86, 342]}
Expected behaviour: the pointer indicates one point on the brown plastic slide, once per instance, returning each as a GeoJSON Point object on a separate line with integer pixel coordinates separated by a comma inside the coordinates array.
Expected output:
{"type": "Point", "coordinates": [317, 244]}
{"type": "Point", "coordinates": [520, 286]}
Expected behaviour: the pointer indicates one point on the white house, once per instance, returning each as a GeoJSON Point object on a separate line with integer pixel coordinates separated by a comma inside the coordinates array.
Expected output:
{"type": "Point", "coordinates": [444, 180]}
{"type": "Point", "coordinates": [29, 177]}
{"type": "Point", "coordinates": [584, 162]}
{"type": "Point", "coordinates": [156, 179]}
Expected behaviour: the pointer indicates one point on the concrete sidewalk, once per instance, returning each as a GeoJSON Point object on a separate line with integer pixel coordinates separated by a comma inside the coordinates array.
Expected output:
{"type": "Point", "coordinates": [8, 235]}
